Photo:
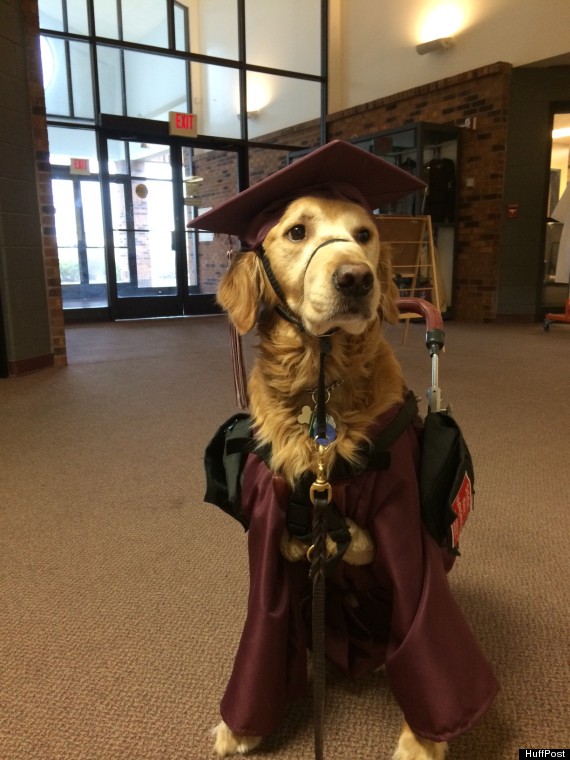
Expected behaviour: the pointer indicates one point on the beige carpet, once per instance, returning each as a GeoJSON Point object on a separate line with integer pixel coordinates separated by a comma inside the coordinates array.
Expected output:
{"type": "Point", "coordinates": [122, 595]}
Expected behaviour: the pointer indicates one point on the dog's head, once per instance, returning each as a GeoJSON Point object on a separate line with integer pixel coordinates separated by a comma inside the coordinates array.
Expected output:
{"type": "Point", "coordinates": [326, 256]}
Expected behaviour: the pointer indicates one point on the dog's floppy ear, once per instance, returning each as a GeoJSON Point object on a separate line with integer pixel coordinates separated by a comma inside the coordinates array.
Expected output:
{"type": "Point", "coordinates": [241, 290]}
{"type": "Point", "coordinates": [388, 290]}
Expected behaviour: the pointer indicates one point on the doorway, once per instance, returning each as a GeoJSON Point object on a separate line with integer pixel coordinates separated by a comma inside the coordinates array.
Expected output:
{"type": "Point", "coordinates": [80, 241]}
{"type": "Point", "coordinates": [555, 284]}
{"type": "Point", "coordinates": [124, 248]}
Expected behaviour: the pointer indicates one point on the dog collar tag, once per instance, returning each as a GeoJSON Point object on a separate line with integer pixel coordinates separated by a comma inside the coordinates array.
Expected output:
{"type": "Point", "coordinates": [306, 416]}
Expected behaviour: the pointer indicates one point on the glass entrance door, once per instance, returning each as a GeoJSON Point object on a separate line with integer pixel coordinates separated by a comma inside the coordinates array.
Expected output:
{"type": "Point", "coordinates": [80, 241]}
{"type": "Point", "coordinates": [158, 267]}
{"type": "Point", "coordinates": [141, 235]}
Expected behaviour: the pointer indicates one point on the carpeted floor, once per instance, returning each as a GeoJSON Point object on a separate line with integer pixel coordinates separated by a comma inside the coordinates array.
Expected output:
{"type": "Point", "coordinates": [123, 595]}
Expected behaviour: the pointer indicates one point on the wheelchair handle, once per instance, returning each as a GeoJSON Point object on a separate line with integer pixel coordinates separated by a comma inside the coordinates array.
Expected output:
{"type": "Point", "coordinates": [435, 336]}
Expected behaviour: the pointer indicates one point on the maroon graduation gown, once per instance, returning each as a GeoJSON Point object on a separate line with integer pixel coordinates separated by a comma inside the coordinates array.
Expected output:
{"type": "Point", "coordinates": [397, 611]}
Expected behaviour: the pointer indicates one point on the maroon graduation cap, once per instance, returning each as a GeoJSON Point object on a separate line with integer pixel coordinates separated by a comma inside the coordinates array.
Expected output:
{"type": "Point", "coordinates": [337, 169]}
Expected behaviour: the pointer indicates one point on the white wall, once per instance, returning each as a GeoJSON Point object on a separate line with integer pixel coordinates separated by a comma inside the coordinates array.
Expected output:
{"type": "Point", "coordinates": [373, 54]}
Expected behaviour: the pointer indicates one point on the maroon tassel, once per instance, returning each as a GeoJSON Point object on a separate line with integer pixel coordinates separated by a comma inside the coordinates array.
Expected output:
{"type": "Point", "coordinates": [239, 370]}
{"type": "Point", "coordinates": [238, 363]}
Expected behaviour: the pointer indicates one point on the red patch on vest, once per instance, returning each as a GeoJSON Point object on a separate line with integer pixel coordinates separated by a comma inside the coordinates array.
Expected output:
{"type": "Point", "coordinates": [462, 505]}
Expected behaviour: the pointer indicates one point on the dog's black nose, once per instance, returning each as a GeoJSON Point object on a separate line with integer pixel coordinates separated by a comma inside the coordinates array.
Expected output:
{"type": "Point", "coordinates": [353, 279]}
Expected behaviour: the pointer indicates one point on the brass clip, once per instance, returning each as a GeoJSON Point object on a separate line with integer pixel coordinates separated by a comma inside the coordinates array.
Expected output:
{"type": "Point", "coordinates": [321, 484]}
{"type": "Point", "coordinates": [321, 488]}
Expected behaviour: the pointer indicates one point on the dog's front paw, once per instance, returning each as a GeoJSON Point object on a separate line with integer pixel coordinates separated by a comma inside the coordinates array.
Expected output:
{"type": "Point", "coordinates": [412, 747]}
{"type": "Point", "coordinates": [361, 549]}
{"type": "Point", "coordinates": [292, 548]}
{"type": "Point", "coordinates": [228, 743]}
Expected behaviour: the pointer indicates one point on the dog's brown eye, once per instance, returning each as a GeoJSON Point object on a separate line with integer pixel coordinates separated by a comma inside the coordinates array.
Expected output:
{"type": "Point", "coordinates": [297, 232]}
{"type": "Point", "coordinates": [363, 235]}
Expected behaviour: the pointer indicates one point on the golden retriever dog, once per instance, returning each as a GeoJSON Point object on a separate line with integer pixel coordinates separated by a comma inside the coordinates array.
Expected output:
{"type": "Point", "coordinates": [317, 284]}
{"type": "Point", "coordinates": [346, 287]}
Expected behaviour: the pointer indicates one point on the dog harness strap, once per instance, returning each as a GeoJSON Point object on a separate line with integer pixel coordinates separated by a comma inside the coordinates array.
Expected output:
{"type": "Point", "coordinates": [322, 245]}
{"type": "Point", "coordinates": [283, 309]}
{"type": "Point", "coordinates": [325, 347]}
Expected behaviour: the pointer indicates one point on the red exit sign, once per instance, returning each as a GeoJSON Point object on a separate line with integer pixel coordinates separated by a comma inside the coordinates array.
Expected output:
{"type": "Point", "coordinates": [79, 166]}
{"type": "Point", "coordinates": [185, 124]}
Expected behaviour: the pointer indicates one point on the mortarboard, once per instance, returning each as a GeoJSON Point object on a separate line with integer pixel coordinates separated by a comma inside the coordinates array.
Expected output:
{"type": "Point", "coordinates": [337, 169]}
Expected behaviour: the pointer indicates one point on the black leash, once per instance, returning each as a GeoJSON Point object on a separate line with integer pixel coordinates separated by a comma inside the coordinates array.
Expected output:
{"type": "Point", "coordinates": [321, 497]}
{"type": "Point", "coordinates": [321, 500]}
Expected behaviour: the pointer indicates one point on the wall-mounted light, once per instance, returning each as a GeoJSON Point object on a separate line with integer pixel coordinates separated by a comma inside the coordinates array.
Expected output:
{"type": "Point", "coordinates": [437, 28]}
{"type": "Point", "coordinates": [441, 43]}
{"type": "Point", "coordinates": [252, 115]}
{"type": "Point", "coordinates": [560, 134]}
{"type": "Point", "coordinates": [192, 191]}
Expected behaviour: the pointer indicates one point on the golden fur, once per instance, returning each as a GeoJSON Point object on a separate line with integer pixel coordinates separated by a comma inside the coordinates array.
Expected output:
{"type": "Point", "coordinates": [366, 378]}
{"type": "Point", "coordinates": [286, 370]}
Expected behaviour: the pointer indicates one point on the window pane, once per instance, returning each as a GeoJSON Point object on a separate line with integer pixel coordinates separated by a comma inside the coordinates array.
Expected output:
{"type": "Point", "coordinates": [51, 14]}
{"type": "Point", "coordinates": [65, 219]}
{"type": "Point", "coordinates": [120, 243]}
{"type": "Point", "coordinates": [144, 21]}
{"type": "Point", "coordinates": [93, 229]}
{"type": "Point", "coordinates": [213, 28]}
{"type": "Point", "coordinates": [154, 221]}
{"type": "Point", "coordinates": [211, 179]}
{"type": "Point", "coordinates": [66, 143]}
{"type": "Point", "coordinates": [296, 46]}
{"type": "Point", "coordinates": [77, 17]}
{"type": "Point", "coordinates": [155, 85]}
{"type": "Point", "coordinates": [109, 72]}
{"type": "Point", "coordinates": [106, 22]}
{"type": "Point", "coordinates": [48, 61]}
{"type": "Point", "coordinates": [270, 99]}
{"type": "Point", "coordinates": [92, 214]}
{"type": "Point", "coordinates": [68, 265]}
{"type": "Point", "coordinates": [82, 80]}
{"type": "Point", "coordinates": [150, 161]}
{"type": "Point", "coordinates": [96, 266]}
{"type": "Point", "coordinates": [117, 157]}
{"type": "Point", "coordinates": [57, 91]}
{"type": "Point", "coordinates": [181, 29]}
{"type": "Point", "coordinates": [215, 97]}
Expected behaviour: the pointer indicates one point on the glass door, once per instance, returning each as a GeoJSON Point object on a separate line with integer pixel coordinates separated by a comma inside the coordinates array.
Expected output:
{"type": "Point", "coordinates": [80, 242]}
{"type": "Point", "coordinates": [209, 177]}
{"type": "Point", "coordinates": [158, 267]}
{"type": "Point", "coordinates": [141, 231]}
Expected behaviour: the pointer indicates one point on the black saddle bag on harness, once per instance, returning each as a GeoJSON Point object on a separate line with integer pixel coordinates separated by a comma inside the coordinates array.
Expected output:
{"type": "Point", "coordinates": [446, 479]}
{"type": "Point", "coordinates": [446, 476]}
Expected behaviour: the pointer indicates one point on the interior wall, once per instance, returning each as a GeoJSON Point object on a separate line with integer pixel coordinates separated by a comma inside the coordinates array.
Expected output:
{"type": "Point", "coordinates": [533, 95]}
{"type": "Point", "coordinates": [22, 274]}
{"type": "Point", "coordinates": [376, 41]}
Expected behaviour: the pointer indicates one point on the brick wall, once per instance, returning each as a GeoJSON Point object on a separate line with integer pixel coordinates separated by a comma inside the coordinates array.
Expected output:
{"type": "Point", "coordinates": [43, 174]}
{"type": "Point", "coordinates": [483, 94]}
